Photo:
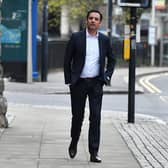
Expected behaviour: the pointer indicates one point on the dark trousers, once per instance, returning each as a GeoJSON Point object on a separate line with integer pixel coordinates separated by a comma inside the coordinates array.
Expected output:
{"type": "Point", "coordinates": [91, 88]}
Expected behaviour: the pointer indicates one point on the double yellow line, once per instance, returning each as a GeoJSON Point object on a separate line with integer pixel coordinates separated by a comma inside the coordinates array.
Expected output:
{"type": "Point", "coordinates": [145, 82]}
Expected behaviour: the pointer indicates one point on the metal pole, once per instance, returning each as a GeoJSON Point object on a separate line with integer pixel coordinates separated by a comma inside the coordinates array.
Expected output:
{"type": "Point", "coordinates": [131, 92]}
{"type": "Point", "coordinates": [29, 44]}
{"type": "Point", "coordinates": [44, 59]}
{"type": "Point", "coordinates": [34, 40]}
{"type": "Point", "coordinates": [153, 24]}
{"type": "Point", "coordinates": [109, 30]}
{"type": "Point", "coordinates": [161, 43]}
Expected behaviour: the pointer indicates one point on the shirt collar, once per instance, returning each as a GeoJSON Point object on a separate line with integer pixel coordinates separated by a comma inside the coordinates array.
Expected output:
{"type": "Point", "coordinates": [89, 35]}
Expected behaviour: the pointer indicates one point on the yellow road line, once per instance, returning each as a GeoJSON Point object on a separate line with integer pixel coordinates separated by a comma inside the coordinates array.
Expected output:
{"type": "Point", "coordinates": [164, 98]}
{"type": "Point", "coordinates": [145, 82]}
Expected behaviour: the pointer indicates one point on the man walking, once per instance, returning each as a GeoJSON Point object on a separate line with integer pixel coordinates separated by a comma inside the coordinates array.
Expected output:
{"type": "Point", "coordinates": [88, 65]}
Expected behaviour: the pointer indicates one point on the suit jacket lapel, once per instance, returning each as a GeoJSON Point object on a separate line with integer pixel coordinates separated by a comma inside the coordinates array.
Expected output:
{"type": "Point", "coordinates": [83, 43]}
{"type": "Point", "coordinates": [100, 47]}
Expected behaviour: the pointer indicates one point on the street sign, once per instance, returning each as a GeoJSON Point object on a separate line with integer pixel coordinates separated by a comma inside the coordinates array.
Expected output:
{"type": "Point", "coordinates": [138, 33]}
{"type": "Point", "coordinates": [134, 3]}
{"type": "Point", "coordinates": [14, 38]}
{"type": "Point", "coordinates": [152, 35]}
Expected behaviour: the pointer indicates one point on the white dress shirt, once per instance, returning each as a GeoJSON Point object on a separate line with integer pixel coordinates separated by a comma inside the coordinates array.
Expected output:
{"type": "Point", "coordinates": [91, 66]}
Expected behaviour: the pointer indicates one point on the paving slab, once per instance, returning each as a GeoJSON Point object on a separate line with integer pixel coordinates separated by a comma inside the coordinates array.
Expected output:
{"type": "Point", "coordinates": [55, 82]}
{"type": "Point", "coordinates": [39, 138]}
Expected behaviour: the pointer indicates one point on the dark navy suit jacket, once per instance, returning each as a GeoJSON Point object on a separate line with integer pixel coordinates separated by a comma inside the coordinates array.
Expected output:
{"type": "Point", "coordinates": [75, 58]}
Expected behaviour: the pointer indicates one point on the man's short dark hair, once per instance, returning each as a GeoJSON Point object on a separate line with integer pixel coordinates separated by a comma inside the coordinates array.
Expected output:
{"type": "Point", "coordinates": [96, 11]}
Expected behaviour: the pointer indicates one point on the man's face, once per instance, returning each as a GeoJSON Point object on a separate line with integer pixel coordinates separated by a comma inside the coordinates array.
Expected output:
{"type": "Point", "coordinates": [93, 21]}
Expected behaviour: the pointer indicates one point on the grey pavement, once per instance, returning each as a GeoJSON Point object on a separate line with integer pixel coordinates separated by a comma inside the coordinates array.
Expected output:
{"type": "Point", "coordinates": [55, 82]}
{"type": "Point", "coordinates": [38, 136]}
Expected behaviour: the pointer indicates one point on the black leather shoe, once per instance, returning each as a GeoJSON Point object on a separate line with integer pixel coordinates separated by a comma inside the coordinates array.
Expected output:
{"type": "Point", "coordinates": [72, 150]}
{"type": "Point", "coordinates": [95, 158]}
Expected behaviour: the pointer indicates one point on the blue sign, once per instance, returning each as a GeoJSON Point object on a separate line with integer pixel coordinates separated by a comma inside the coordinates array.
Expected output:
{"type": "Point", "coordinates": [9, 35]}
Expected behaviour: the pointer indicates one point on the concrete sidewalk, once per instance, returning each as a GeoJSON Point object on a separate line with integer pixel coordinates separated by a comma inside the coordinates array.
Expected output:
{"type": "Point", "coordinates": [55, 83]}
{"type": "Point", "coordinates": [39, 138]}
